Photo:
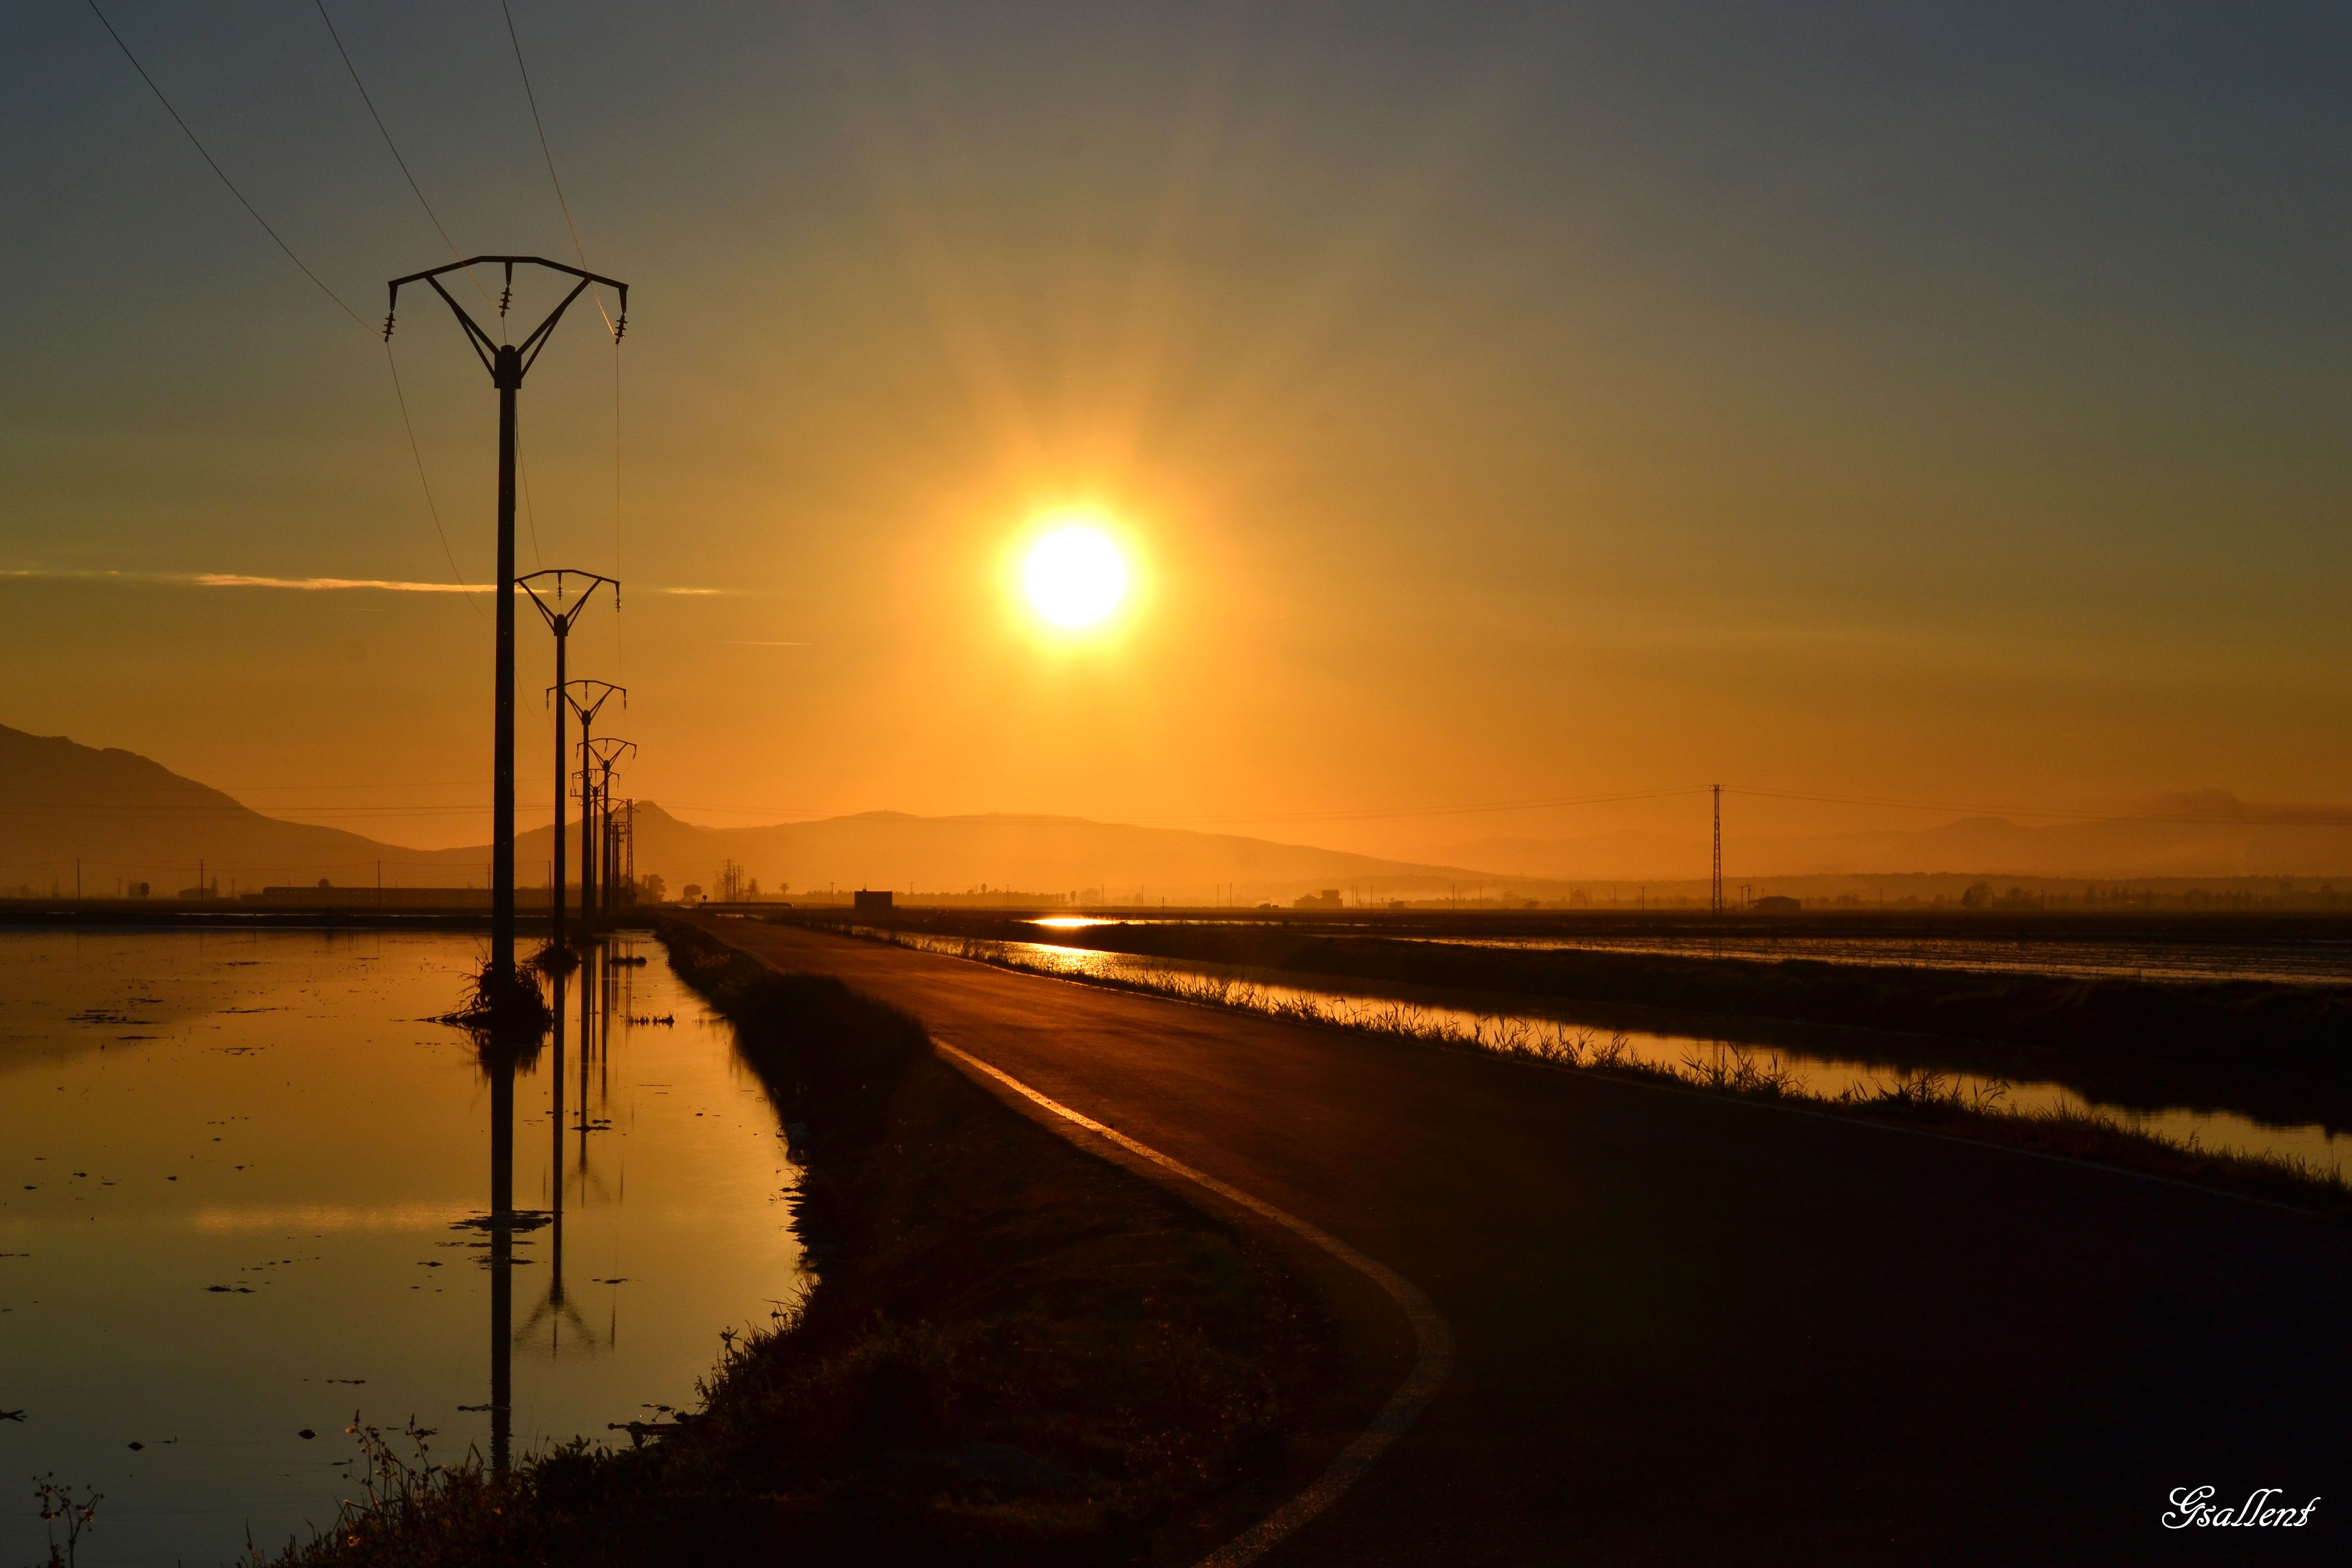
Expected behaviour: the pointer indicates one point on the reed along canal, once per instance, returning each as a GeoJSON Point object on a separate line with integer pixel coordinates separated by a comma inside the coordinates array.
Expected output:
{"type": "Point", "coordinates": [246, 1193]}
{"type": "Point", "coordinates": [2182, 1107]}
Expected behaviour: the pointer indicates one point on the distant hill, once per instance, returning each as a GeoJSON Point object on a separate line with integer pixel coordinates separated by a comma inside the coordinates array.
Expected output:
{"type": "Point", "coordinates": [2233, 840]}
{"type": "Point", "coordinates": [1028, 854]}
{"type": "Point", "coordinates": [128, 819]}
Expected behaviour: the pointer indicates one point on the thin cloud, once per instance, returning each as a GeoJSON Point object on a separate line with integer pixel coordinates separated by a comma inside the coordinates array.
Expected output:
{"type": "Point", "coordinates": [245, 580]}
{"type": "Point", "coordinates": [330, 584]}
{"type": "Point", "coordinates": [300, 585]}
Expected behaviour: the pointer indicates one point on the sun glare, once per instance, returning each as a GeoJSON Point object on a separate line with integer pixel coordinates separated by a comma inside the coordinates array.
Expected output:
{"type": "Point", "coordinates": [1075, 576]}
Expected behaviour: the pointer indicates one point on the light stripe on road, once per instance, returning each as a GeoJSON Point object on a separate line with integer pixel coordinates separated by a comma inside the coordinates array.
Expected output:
{"type": "Point", "coordinates": [1432, 1338]}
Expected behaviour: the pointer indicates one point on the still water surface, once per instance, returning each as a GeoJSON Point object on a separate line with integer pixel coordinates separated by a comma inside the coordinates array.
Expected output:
{"type": "Point", "coordinates": [243, 1190]}
{"type": "Point", "coordinates": [1824, 1068]}
{"type": "Point", "coordinates": [2300, 959]}
{"type": "Point", "coordinates": [2296, 961]}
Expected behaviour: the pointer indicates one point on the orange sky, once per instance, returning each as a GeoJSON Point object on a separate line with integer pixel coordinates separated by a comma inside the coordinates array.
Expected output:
{"type": "Point", "coordinates": [1495, 405]}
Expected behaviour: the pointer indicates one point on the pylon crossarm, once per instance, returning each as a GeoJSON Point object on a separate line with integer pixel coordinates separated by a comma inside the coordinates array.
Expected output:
{"type": "Point", "coordinates": [482, 341]}
{"type": "Point", "coordinates": [513, 261]}
{"type": "Point", "coordinates": [532, 344]}
{"type": "Point", "coordinates": [563, 620]}
{"type": "Point", "coordinates": [485, 347]}
{"type": "Point", "coordinates": [586, 708]}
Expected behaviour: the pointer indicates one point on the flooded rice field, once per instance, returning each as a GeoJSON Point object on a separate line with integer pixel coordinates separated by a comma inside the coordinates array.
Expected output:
{"type": "Point", "coordinates": [2296, 958]}
{"type": "Point", "coordinates": [247, 1192]}
{"type": "Point", "coordinates": [2301, 960]}
{"type": "Point", "coordinates": [1819, 1063]}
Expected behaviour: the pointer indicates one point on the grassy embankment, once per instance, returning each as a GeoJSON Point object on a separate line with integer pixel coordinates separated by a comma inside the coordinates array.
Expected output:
{"type": "Point", "coordinates": [2285, 1033]}
{"type": "Point", "coordinates": [1014, 1353]}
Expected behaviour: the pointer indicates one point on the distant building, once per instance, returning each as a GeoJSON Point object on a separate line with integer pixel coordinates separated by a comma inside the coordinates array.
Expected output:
{"type": "Point", "coordinates": [1776, 904]}
{"type": "Point", "coordinates": [325, 895]}
{"type": "Point", "coordinates": [1328, 899]}
{"type": "Point", "coordinates": [871, 902]}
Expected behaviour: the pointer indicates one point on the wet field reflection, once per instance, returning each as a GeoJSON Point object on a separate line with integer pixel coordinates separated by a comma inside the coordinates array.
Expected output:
{"type": "Point", "coordinates": [1819, 1062]}
{"type": "Point", "coordinates": [243, 1196]}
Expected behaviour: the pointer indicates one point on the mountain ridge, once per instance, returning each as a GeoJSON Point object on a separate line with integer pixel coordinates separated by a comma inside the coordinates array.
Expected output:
{"type": "Point", "coordinates": [126, 818]}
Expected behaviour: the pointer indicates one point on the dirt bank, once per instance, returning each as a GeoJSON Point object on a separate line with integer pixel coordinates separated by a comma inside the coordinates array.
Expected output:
{"type": "Point", "coordinates": [1015, 1353]}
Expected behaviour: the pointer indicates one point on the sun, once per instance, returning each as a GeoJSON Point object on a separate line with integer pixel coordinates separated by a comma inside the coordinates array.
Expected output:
{"type": "Point", "coordinates": [1075, 576]}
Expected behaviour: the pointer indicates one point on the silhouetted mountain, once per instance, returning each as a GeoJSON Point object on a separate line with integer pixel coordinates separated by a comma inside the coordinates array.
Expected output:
{"type": "Point", "coordinates": [2208, 834]}
{"type": "Point", "coordinates": [129, 820]}
{"type": "Point", "coordinates": [1028, 854]}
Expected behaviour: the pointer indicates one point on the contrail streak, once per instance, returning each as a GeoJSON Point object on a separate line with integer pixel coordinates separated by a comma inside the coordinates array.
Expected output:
{"type": "Point", "coordinates": [304, 585]}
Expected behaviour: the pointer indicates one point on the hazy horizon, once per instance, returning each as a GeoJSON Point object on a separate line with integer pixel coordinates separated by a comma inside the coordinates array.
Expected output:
{"type": "Point", "coordinates": [1498, 405]}
{"type": "Point", "coordinates": [102, 820]}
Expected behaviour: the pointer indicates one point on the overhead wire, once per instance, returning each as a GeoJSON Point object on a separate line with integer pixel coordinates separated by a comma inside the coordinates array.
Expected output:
{"type": "Point", "coordinates": [432, 506]}
{"type": "Point", "coordinates": [415, 450]}
{"type": "Point", "coordinates": [530, 508]}
{"type": "Point", "coordinates": [2316, 816]}
{"type": "Point", "coordinates": [393, 147]}
{"type": "Point", "coordinates": [579, 249]}
{"type": "Point", "coordinates": [210, 163]}
{"type": "Point", "coordinates": [547, 152]}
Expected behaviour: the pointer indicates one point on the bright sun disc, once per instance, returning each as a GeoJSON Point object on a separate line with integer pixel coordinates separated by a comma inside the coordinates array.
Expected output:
{"type": "Point", "coordinates": [1075, 576]}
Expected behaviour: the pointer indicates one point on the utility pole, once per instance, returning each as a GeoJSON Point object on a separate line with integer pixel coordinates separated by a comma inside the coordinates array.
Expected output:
{"type": "Point", "coordinates": [1718, 894]}
{"type": "Point", "coordinates": [508, 364]}
{"type": "Point", "coordinates": [584, 698]}
{"type": "Point", "coordinates": [608, 750]}
{"type": "Point", "coordinates": [560, 621]}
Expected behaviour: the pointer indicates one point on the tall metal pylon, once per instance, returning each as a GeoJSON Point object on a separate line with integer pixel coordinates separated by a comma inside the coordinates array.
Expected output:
{"type": "Point", "coordinates": [508, 364]}
{"type": "Point", "coordinates": [1718, 903]}
{"type": "Point", "coordinates": [585, 697]}
{"type": "Point", "coordinates": [560, 621]}
{"type": "Point", "coordinates": [609, 750]}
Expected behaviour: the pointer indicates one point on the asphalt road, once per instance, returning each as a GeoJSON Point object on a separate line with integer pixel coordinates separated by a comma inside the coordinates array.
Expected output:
{"type": "Point", "coordinates": [1690, 1330]}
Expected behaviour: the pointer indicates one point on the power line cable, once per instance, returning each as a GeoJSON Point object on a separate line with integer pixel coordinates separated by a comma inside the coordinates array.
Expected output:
{"type": "Point", "coordinates": [417, 452]}
{"type": "Point", "coordinates": [2311, 817]}
{"type": "Point", "coordinates": [393, 147]}
{"type": "Point", "coordinates": [277, 239]}
{"type": "Point", "coordinates": [547, 152]}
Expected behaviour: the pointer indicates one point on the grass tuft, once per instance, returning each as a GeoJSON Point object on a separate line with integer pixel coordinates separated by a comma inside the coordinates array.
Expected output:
{"type": "Point", "coordinates": [1014, 1353]}
{"type": "Point", "coordinates": [501, 1002]}
{"type": "Point", "coordinates": [1928, 1099]}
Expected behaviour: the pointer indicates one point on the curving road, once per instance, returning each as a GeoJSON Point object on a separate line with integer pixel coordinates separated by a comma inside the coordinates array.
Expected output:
{"type": "Point", "coordinates": [1693, 1331]}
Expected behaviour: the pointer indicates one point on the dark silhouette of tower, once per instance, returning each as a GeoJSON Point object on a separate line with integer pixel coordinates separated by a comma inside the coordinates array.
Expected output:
{"type": "Point", "coordinates": [508, 364]}
{"type": "Point", "coordinates": [1717, 902]}
{"type": "Point", "coordinates": [560, 620]}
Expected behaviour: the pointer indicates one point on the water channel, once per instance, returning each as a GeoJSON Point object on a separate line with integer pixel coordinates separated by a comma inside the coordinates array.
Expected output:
{"type": "Point", "coordinates": [247, 1191]}
{"type": "Point", "coordinates": [2295, 961]}
{"type": "Point", "coordinates": [1821, 1063]}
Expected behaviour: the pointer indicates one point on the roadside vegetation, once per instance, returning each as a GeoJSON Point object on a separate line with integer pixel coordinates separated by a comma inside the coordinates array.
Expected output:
{"type": "Point", "coordinates": [2276, 1052]}
{"type": "Point", "coordinates": [1012, 1353]}
{"type": "Point", "coordinates": [1924, 1098]}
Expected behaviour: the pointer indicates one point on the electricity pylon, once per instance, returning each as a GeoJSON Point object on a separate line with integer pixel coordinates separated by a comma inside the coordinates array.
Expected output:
{"type": "Point", "coordinates": [558, 621]}
{"type": "Point", "coordinates": [584, 698]}
{"type": "Point", "coordinates": [1715, 901]}
{"type": "Point", "coordinates": [608, 750]}
{"type": "Point", "coordinates": [508, 364]}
